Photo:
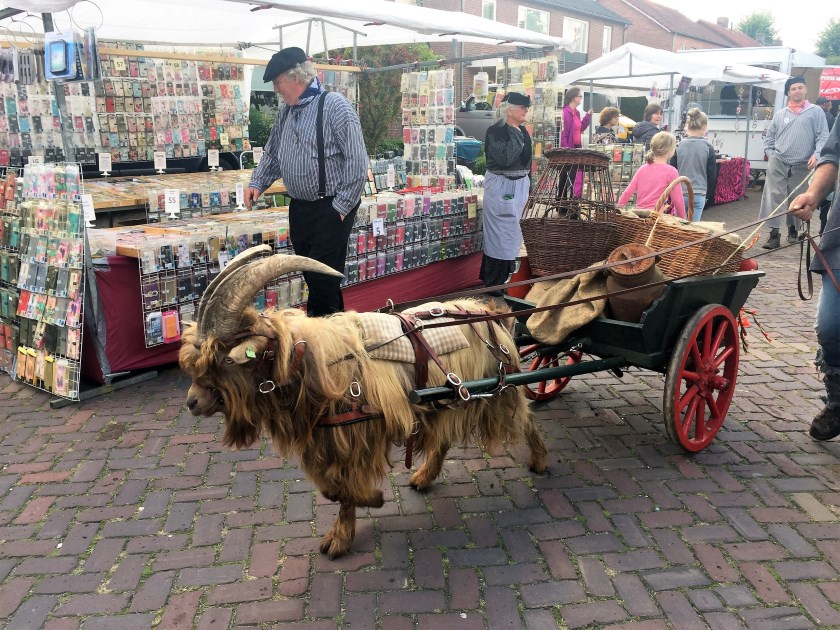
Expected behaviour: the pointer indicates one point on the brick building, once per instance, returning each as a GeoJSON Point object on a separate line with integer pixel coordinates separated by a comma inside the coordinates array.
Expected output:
{"type": "Point", "coordinates": [595, 29]}
{"type": "Point", "coordinates": [658, 26]}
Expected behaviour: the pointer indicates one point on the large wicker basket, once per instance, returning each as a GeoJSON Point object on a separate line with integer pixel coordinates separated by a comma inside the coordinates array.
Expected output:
{"type": "Point", "coordinates": [702, 258]}
{"type": "Point", "coordinates": [565, 229]}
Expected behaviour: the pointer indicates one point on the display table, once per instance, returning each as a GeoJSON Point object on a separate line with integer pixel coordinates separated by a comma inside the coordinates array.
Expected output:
{"type": "Point", "coordinates": [731, 180]}
{"type": "Point", "coordinates": [120, 334]}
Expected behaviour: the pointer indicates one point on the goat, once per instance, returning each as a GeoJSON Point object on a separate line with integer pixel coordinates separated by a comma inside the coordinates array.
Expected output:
{"type": "Point", "coordinates": [282, 372]}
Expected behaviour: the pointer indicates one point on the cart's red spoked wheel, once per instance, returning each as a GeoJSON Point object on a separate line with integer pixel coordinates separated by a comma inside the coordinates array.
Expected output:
{"type": "Point", "coordinates": [545, 390]}
{"type": "Point", "coordinates": [701, 378]}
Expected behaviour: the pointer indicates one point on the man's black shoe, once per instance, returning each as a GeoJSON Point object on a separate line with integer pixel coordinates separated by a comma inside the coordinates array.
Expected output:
{"type": "Point", "coordinates": [826, 424]}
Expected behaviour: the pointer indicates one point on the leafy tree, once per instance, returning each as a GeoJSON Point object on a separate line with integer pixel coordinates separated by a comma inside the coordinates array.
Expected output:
{"type": "Point", "coordinates": [760, 26]}
{"type": "Point", "coordinates": [379, 92]}
{"type": "Point", "coordinates": [828, 42]}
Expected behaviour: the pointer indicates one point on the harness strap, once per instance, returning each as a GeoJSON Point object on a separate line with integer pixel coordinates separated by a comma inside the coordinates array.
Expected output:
{"type": "Point", "coordinates": [357, 413]}
{"type": "Point", "coordinates": [806, 251]}
{"type": "Point", "coordinates": [422, 353]}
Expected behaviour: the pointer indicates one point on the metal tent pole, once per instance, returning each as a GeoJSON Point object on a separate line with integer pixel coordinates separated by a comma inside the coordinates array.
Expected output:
{"type": "Point", "coordinates": [66, 143]}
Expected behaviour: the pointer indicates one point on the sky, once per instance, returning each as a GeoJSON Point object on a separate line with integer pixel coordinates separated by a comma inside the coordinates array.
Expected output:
{"type": "Point", "coordinates": [796, 27]}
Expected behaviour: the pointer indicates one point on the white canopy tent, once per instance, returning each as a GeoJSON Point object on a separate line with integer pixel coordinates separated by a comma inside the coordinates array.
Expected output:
{"type": "Point", "coordinates": [228, 23]}
{"type": "Point", "coordinates": [633, 68]}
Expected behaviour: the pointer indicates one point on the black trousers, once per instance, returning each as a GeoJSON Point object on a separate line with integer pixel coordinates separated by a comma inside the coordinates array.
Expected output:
{"type": "Point", "coordinates": [495, 271]}
{"type": "Point", "coordinates": [317, 231]}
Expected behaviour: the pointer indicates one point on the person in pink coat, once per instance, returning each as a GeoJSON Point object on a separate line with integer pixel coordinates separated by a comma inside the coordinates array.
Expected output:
{"type": "Point", "coordinates": [573, 128]}
{"type": "Point", "coordinates": [651, 180]}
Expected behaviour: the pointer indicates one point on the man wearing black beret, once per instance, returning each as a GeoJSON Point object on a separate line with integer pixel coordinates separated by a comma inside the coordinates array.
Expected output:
{"type": "Point", "coordinates": [316, 146]}
{"type": "Point", "coordinates": [792, 142]}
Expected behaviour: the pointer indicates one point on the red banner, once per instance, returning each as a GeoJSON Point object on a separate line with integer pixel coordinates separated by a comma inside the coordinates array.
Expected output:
{"type": "Point", "coordinates": [830, 84]}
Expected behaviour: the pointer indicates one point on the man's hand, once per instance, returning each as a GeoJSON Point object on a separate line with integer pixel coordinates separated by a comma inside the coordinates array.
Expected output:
{"type": "Point", "coordinates": [804, 205]}
{"type": "Point", "coordinates": [251, 195]}
{"type": "Point", "coordinates": [812, 163]}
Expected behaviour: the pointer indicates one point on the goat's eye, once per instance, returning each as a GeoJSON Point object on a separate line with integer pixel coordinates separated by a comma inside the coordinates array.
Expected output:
{"type": "Point", "coordinates": [228, 360]}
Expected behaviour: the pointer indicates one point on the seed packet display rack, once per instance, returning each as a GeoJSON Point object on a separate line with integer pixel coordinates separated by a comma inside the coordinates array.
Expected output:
{"type": "Point", "coordinates": [179, 261]}
{"type": "Point", "coordinates": [51, 279]}
{"type": "Point", "coordinates": [11, 191]}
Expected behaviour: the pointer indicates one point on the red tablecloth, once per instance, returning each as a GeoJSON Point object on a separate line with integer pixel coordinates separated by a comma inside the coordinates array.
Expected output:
{"type": "Point", "coordinates": [731, 182]}
{"type": "Point", "coordinates": [119, 295]}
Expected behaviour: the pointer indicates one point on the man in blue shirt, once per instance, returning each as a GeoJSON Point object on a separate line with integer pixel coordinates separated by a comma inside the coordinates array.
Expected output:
{"type": "Point", "coordinates": [323, 166]}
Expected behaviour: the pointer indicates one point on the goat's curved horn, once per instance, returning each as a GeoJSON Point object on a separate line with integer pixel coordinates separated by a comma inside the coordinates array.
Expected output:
{"type": "Point", "coordinates": [237, 262]}
{"type": "Point", "coordinates": [223, 312]}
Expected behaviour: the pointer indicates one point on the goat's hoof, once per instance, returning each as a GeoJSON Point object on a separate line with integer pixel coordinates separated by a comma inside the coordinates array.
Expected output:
{"type": "Point", "coordinates": [419, 481]}
{"type": "Point", "coordinates": [333, 547]}
{"type": "Point", "coordinates": [540, 466]}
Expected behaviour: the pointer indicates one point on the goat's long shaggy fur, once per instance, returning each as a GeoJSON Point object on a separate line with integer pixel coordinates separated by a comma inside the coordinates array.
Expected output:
{"type": "Point", "coordinates": [347, 463]}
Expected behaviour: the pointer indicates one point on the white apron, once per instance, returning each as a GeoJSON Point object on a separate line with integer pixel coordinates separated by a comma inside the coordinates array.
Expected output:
{"type": "Point", "coordinates": [500, 216]}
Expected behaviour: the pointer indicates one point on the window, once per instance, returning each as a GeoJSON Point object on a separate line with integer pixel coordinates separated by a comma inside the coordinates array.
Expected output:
{"type": "Point", "coordinates": [606, 43]}
{"type": "Point", "coordinates": [533, 19]}
{"type": "Point", "coordinates": [488, 9]}
{"type": "Point", "coordinates": [578, 31]}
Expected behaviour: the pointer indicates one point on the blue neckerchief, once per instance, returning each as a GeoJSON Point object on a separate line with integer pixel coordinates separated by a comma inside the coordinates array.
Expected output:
{"type": "Point", "coordinates": [312, 90]}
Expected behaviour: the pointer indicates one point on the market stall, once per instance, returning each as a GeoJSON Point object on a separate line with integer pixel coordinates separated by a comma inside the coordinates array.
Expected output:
{"type": "Point", "coordinates": [144, 100]}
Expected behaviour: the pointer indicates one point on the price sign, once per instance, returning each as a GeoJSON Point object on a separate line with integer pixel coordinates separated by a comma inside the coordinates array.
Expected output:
{"type": "Point", "coordinates": [258, 153]}
{"type": "Point", "coordinates": [240, 194]}
{"type": "Point", "coordinates": [160, 160]}
{"type": "Point", "coordinates": [172, 199]}
{"type": "Point", "coordinates": [213, 157]}
{"type": "Point", "coordinates": [391, 176]}
{"type": "Point", "coordinates": [379, 227]}
{"type": "Point", "coordinates": [87, 208]}
{"type": "Point", "coordinates": [471, 208]}
{"type": "Point", "coordinates": [104, 162]}
{"type": "Point", "coordinates": [119, 64]}
{"type": "Point", "coordinates": [36, 159]}
{"type": "Point", "coordinates": [224, 139]}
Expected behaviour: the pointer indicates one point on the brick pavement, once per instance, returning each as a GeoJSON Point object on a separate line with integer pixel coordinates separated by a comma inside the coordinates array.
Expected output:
{"type": "Point", "coordinates": [123, 512]}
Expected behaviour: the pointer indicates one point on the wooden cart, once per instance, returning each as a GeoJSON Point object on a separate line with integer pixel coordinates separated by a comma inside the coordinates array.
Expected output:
{"type": "Point", "coordinates": [689, 334]}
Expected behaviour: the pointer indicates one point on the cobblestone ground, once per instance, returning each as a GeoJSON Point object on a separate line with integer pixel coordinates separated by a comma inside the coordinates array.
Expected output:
{"type": "Point", "coordinates": [123, 512]}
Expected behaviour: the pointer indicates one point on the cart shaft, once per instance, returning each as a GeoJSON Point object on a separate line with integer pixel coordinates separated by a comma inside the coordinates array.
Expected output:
{"type": "Point", "coordinates": [418, 396]}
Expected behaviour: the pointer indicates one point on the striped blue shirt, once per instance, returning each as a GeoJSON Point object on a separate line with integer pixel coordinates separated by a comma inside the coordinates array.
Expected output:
{"type": "Point", "coordinates": [795, 138]}
{"type": "Point", "coordinates": [292, 153]}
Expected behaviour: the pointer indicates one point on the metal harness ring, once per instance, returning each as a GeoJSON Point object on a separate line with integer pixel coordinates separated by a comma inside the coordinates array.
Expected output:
{"type": "Point", "coordinates": [355, 389]}
{"type": "Point", "coordinates": [266, 387]}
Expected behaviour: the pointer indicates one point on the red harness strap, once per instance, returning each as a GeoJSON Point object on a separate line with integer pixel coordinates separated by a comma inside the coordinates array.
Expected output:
{"type": "Point", "coordinates": [357, 413]}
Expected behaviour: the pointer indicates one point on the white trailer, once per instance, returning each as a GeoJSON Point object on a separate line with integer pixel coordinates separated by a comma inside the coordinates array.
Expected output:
{"type": "Point", "coordinates": [740, 114]}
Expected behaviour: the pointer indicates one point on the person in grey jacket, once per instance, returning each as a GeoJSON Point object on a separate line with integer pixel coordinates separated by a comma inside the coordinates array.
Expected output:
{"type": "Point", "coordinates": [826, 425]}
{"type": "Point", "coordinates": [792, 143]}
{"type": "Point", "coordinates": [695, 158]}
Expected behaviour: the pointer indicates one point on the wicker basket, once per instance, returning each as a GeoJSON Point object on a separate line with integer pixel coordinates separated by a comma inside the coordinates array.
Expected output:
{"type": "Point", "coordinates": [688, 260]}
{"type": "Point", "coordinates": [563, 231]}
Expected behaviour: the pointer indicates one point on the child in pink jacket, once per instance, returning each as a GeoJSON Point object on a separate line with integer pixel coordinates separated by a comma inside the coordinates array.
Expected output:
{"type": "Point", "coordinates": [651, 180]}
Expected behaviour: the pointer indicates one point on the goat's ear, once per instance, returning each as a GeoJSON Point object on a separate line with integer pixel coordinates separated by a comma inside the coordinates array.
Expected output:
{"type": "Point", "coordinates": [250, 349]}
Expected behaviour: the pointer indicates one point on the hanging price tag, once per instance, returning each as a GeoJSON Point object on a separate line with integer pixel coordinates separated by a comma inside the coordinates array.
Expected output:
{"type": "Point", "coordinates": [160, 160]}
{"type": "Point", "coordinates": [119, 64]}
{"type": "Point", "coordinates": [36, 159]}
{"type": "Point", "coordinates": [258, 153]}
{"type": "Point", "coordinates": [528, 80]}
{"type": "Point", "coordinates": [471, 210]}
{"type": "Point", "coordinates": [172, 201]}
{"type": "Point", "coordinates": [104, 162]}
{"type": "Point", "coordinates": [87, 209]}
{"type": "Point", "coordinates": [240, 195]}
{"type": "Point", "coordinates": [379, 227]}
{"type": "Point", "coordinates": [224, 139]}
{"type": "Point", "coordinates": [213, 158]}
{"type": "Point", "coordinates": [391, 176]}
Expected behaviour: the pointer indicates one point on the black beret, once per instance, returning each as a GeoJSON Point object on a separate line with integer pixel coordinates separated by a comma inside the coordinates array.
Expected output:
{"type": "Point", "coordinates": [515, 98]}
{"type": "Point", "coordinates": [282, 61]}
{"type": "Point", "coordinates": [793, 81]}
